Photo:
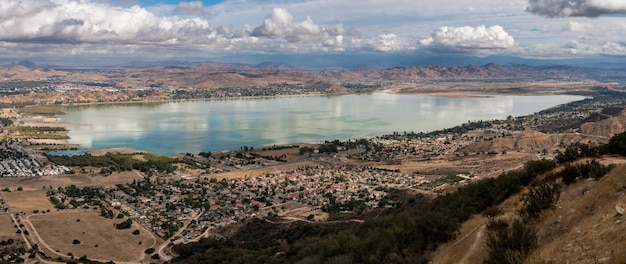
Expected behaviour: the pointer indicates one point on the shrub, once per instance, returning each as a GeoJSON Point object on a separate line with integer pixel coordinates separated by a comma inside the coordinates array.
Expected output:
{"type": "Point", "coordinates": [538, 199]}
{"type": "Point", "coordinates": [492, 212]}
{"type": "Point", "coordinates": [510, 244]}
{"type": "Point", "coordinates": [75, 242]}
{"type": "Point", "coordinates": [591, 169]}
{"type": "Point", "coordinates": [136, 232]}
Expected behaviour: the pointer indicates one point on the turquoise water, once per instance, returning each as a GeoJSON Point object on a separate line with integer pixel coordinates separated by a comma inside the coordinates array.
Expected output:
{"type": "Point", "coordinates": [194, 126]}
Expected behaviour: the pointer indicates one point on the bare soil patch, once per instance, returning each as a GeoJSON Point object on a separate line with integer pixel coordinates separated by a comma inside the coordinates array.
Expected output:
{"type": "Point", "coordinates": [259, 171]}
{"type": "Point", "coordinates": [98, 237]}
{"type": "Point", "coordinates": [468, 247]}
{"type": "Point", "coordinates": [102, 152]}
{"type": "Point", "coordinates": [80, 180]}
{"type": "Point", "coordinates": [28, 200]}
{"type": "Point", "coordinates": [6, 227]}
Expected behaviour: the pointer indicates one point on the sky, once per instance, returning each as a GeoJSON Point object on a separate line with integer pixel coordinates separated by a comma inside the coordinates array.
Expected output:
{"type": "Point", "coordinates": [160, 29]}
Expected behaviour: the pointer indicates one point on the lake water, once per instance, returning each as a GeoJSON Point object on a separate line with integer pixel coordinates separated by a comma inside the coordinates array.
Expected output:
{"type": "Point", "coordinates": [194, 126]}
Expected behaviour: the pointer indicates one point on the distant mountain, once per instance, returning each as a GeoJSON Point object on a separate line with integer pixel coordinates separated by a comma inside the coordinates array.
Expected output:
{"type": "Point", "coordinates": [304, 62]}
{"type": "Point", "coordinates": [280, 66]}
{"type": "Point", "coordinates": [185, 74]}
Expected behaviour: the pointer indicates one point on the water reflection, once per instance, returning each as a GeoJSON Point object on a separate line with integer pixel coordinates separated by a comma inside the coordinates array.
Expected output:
{"type": "Point", "coordinates": [193, 126]}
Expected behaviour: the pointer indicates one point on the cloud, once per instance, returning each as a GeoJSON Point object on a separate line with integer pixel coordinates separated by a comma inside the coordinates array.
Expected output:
{"type": "Point", "coordinates": [46, 27]}
{"type": "Point", "coordinates": [578, 27]}
{"type": "Point", "coordinates": [67, 21]}
{"type": "Point", "coordinates": [580, 8]}
{"type": "Point", "coordinates": [614, 49]}
{"type": "Point", "coordinates": [194, 8]}
{"type": "Point", "coordinates": [467, 39]}
{"type": "Point", "coordinates": [306, 26]}
{"type": "Point", "coordinates": [275, 24]}
{"type": "Point", "coordinates": [279, 27]}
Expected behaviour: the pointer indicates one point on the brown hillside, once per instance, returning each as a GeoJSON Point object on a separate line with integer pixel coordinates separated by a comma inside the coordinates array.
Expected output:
{"type": "Point", "coordinates": [530, 140]}
{"type": "Point", "coordinates": [607, 127]}
{"type": "Point", "coordinates": [585, 227]}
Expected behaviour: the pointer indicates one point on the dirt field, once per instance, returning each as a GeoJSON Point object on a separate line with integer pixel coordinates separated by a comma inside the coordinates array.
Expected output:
{"type": "Point", "coordinates": [37, 183]}
{"type": "Point", "coordinates": [27, 201]}
{"type": "Point", "coordinates": [102, 152]}
{"type": "Point", "coordinates": [98, 237]}
{"type": "Point", "coordinates": [259, 171]}
{"type": "Point", "coordinates": [6, 227]}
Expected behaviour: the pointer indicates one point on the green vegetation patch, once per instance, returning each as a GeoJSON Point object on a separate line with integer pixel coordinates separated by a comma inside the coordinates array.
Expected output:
{"type": "Point", "coordinates": [45, 110]}
{"type": "Point", "coordinates": [42, 132]}
{"type": "Point", "coordinates": [118, 162]}
{"type": "Point", "coordinates": [449, 179]}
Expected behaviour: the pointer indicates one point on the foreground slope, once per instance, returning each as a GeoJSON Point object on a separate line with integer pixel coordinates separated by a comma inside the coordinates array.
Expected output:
{"type": "Point", "coordinates": [583, 228]}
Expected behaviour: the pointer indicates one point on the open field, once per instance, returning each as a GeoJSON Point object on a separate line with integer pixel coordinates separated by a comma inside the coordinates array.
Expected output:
{"type": "Point", "coordinates": [28, 200]}
{"type": "Point", "coordinates": [98, 237]}
{"type": "Point", "coordinates": [259, 171]}
{"type": "Point", "coordinates": [6, 227]}
{"type": "Point", "coordinates": [89, 179]}
{"type": "Point", "coordinates": [102, 152]}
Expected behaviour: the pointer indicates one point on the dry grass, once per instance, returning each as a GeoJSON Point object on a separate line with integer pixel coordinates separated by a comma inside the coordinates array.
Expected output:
{"type": "Point", "coordinates": [98, 237]}
{"type": "Point", "coordinates": [585, 227]}
{"type": "Point", "coordinates": [27, 201]}
{"type": "Point", "coordinates": [260, 171]}
{"type": "Point", "coordinates": [470, 244]}
{"type": "Point", "coordinates": [88, 179]}
{"type": "Point", "coordinates": [468, 247]}
{"type": "Point", "coordinates": [6, 227]}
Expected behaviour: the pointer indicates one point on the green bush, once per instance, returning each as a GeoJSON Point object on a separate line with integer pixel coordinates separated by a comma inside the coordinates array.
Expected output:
{"type": "Point", "coordinates": [510, 244]}
{"type": "Point", "coordinates": [591, 169]}
{"type": "Point", "coordinates": [538, 199]}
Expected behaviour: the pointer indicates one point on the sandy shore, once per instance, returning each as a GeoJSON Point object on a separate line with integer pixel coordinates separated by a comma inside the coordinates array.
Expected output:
{"type": "Point", "coordinates": [49, 141]}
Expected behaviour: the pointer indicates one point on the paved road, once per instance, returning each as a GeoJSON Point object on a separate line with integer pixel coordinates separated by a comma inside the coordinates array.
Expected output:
{"type": "Point", "coordinates": [161, 250]}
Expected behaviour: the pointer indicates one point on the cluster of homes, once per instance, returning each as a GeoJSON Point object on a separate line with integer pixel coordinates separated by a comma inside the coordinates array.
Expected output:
{"type": "Point", "coordinates": [165, 204]}
{"type": "Point", "coordinates": [420, 148]}
{"type": "Point", "coordinates": [15, 161]}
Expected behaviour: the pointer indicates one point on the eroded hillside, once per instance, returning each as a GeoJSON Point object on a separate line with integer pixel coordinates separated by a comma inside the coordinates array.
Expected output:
{"type": "Point", "coordinates": [584, 226]}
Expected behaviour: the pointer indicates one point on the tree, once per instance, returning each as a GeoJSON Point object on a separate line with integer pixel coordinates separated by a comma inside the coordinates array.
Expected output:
{"type": "Point", "coordinates": [124, 225]}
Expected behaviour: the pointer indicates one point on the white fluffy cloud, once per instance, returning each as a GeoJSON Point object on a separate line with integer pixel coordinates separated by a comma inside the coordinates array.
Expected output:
{"type": "Point", "coordinates": [468, 39]}
{"type": "Point", "coordinates": [275, 24]}
{"type": "Point", "coordinates": [43, 27]}
{"type": "Point", "coordinates": [90, 23]}
{"type": "Point", "coordinates": [67, 21]}
{"type": "Point", "coordinates": [586, 8]}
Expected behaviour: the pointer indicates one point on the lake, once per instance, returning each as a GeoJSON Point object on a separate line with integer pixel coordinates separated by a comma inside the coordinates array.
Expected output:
{"type": "Point", "coordinates": [211, 125]}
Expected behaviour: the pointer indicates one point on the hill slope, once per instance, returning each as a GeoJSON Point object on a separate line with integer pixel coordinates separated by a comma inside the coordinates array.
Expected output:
{"type": "Point", "coordinates": [583, 228]}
